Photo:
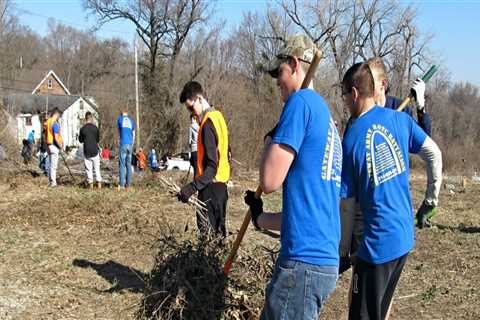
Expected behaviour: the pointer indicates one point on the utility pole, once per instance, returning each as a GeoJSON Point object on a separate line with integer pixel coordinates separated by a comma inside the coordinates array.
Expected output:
{"type": "Point", "coordinates": [137, 134]}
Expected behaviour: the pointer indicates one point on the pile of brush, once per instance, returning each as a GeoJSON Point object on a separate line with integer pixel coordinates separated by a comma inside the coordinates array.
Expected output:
{"type": "Point", "coordinates": [187, 281]}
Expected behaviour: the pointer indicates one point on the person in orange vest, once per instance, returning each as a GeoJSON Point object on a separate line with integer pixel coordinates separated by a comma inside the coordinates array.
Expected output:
{"type": "Point", "coordinates": [54, 142]}
{"type": "Point", "coordinates": [213, 167]}
{"type": "Point", "coordinates": [141, 159]}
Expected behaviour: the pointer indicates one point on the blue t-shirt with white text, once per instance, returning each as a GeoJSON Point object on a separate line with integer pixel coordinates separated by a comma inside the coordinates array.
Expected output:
{"type": "Point", "coordinates": [375, 171]}
{"type": "Point", "coordinates": [126, 126]}
{"type": "Point", "coordinates": [310, 230]}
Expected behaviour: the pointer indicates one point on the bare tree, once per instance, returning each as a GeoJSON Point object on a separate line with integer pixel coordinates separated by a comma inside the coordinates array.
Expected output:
{"type": "Point", "coordinates": [163, 27]}
{"type": "Point", "coordinates": [352, 31]}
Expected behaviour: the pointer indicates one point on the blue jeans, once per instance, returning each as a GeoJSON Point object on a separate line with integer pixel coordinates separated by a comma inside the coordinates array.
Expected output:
{"type": "Point", "coordinates": [125, 165]}
{"type": "Point", "coordinates": [298, 290]}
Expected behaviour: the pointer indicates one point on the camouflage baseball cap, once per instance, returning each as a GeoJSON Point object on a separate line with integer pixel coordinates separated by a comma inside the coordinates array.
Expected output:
{"type": "Point", "coordinates": [298, 46]}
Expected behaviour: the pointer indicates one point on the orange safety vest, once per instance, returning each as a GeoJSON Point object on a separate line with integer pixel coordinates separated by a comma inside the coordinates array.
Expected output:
{"type": "Point", "coordinates": [141, 160]}
{"type": "Point", "coordinates": [49, 135]}
{"type": "Point", "coordinates": [223, 165]}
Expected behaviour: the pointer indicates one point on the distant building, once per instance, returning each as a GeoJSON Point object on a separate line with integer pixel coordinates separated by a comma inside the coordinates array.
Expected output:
{"type": "Point", "coordinates": [30, 109]}
{"type": "Point", "coordinates": [51, 85]}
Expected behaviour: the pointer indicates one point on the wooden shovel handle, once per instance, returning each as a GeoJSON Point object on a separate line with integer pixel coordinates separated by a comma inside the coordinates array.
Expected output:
{"type": "Point", "coordinates": [311, 70]}
{"type": "Point", "coordinates": [241, 233]}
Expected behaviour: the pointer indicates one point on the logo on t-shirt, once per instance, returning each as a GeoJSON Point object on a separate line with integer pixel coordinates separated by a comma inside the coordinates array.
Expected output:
{"type": "Point", "coordinates": [384, 157]}
{"type": "Point", "coordinates": [126, 123]}
{"type": "Point", "coordinates": [332, 158]}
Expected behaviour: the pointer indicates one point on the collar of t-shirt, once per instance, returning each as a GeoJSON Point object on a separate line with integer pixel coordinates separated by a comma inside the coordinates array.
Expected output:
{"type": "Point", "coordinates": [364, 112]}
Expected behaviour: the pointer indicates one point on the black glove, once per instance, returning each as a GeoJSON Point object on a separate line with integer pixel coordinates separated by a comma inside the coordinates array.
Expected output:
{"type": "Point", "coordinates": [425, 212]}
{"type": "Point", "coordinates": [256, 206]}
{"type": "Point", "coordinates": [186, 192]}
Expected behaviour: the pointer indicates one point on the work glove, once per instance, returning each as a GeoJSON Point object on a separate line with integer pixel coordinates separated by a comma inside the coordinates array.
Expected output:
{"type": "Point", "coordinates": [424, 213]}
{"type": "Point", "coordinates": [186, 192]}
{"type": "Point", "coordinates": [418, 93]}
{"type": "Point", "coordinates": [256, 206]}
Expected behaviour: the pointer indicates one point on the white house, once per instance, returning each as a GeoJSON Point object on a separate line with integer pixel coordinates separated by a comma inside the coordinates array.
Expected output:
{"type": "Point", "coordinates": [30, 110]}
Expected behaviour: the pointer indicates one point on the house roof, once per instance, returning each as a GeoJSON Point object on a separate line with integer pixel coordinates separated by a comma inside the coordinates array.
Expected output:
{"type": "Point", "coordinates": [34, 104]}
{"type": "Point", "coordinates": [56, 77]}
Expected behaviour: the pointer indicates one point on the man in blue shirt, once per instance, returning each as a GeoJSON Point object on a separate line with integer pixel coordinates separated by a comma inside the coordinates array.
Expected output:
{"type": "Point", "coordinates": [376, 173]}
{"type": "Point", "coordinates": [418, 90]}
{"type": "Point", "coordinates": [126, 131]}
{"type": "Point", "coordinates": [31, 137]}
{"type": "Point", "coordinates": [305, 158]}
{"type": "Point", "coordinates": [377, 68]}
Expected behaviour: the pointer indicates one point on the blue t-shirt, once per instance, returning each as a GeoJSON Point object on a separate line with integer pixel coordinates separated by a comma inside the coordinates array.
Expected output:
{"type": "Point", "coordinates": [126, 126]}
{"type": "Point", "coordinates": [31, 136]}
{"type": "Point", "coordinates": [56, 128]}
{"type": "Point", "coordinates": [376, 171]}
{"type": "Point", "coordinates": [310, 230]}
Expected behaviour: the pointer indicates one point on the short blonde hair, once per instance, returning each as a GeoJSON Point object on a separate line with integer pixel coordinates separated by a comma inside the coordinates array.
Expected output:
{"type": "Point", "coordinates": [378, 68]}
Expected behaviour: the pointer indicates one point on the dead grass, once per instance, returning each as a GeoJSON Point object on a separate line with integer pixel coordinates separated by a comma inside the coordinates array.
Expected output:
{"type": "Point", "coordinates": [79, 254]}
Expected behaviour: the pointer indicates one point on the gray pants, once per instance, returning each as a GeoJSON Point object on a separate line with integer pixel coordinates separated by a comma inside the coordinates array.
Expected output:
{"type": "Point", "coordinates": [53, 152]}
{"type": "Point", "coordinates": [93, 164]}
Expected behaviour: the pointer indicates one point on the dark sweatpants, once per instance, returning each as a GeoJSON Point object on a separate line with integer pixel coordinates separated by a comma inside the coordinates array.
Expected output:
{"type": "Point", "coordinates": [215, 197]}
{"type": "Point", "coordinates": [373, 287]}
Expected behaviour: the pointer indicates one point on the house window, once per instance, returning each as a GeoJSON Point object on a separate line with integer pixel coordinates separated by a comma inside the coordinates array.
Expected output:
{"type": "Point", "coordinates": [50, 84]}
{"type": "Point", "coordinates": [81, 105]}
{"type": "Point", "coordinates": [28, 121]}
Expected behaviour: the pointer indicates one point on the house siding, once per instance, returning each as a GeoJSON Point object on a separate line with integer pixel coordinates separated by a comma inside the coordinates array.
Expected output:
{"type": "Point", "coordinates": [23, 129]}
{"type": "Point", "coordinates": [72, 120]}
{"type": "Point", "coordinates": [56, 90]}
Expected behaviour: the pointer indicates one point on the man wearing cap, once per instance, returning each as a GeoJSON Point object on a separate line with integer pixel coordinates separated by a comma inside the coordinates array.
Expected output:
{"type": "Point", "coordinates": [126, 131]}
{"type": "Point", "coordinates": [305, 157]}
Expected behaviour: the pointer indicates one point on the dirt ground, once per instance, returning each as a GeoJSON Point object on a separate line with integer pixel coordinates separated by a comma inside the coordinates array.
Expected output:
{"type": "Point", "coordinates": [71, 253]}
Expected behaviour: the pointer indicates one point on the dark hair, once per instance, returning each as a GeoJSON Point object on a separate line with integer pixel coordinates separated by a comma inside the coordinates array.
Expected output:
{"type": "Point", "coordinates": [88, 115]}
{"type": "Point", "coordinates": [56, 110]}
{"type": "Point", "coordinates": [359, 76]}
{"type": "Point", "coordinates": [190, 90]}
